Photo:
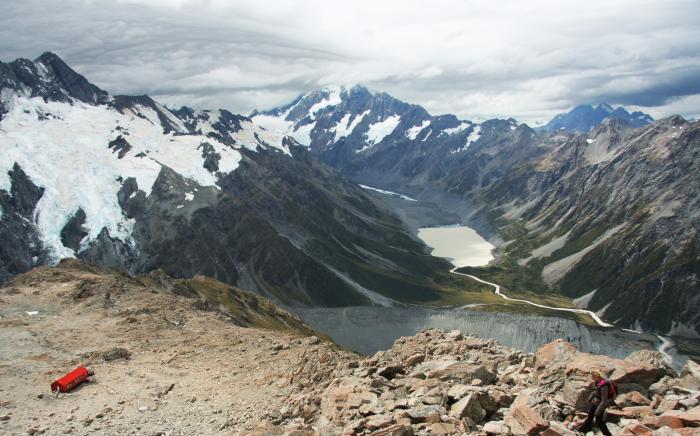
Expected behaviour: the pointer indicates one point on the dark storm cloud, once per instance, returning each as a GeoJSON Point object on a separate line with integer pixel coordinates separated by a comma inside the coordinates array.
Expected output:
{"type": "Point", "coordinates": [524, 59]}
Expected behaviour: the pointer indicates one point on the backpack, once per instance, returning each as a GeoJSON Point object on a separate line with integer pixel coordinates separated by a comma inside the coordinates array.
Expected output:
{"type": "Point", "coordinates": [612, 390]}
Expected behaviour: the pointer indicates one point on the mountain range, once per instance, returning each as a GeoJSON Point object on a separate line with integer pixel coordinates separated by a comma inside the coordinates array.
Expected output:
{"type": "Point", "coordinates": [125, 182]}
{"type": "Point", "coordinates": [270, 202]}
{"type": "Point", "coordinates": [585, 118]}
{"type": "Point", "coordinates": [608, 217]}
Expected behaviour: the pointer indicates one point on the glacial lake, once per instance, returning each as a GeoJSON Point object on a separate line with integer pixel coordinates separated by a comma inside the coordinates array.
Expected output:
{"type": "Point", "coordinates": [461, 245]}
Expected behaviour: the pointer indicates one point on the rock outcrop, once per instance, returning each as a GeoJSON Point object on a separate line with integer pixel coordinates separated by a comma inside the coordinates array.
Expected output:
{"type": "Point", "coordinates": [447, 383]}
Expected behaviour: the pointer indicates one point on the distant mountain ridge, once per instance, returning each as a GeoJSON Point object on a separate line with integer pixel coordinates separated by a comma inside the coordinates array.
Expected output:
{"type": "Point", "coordinates": [584, 118]}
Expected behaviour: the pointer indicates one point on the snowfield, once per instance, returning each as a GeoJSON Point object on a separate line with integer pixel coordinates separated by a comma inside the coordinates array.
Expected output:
{"type": "Point", "coordinates": [380, 130]}
{"type": "Point", "coordinates": [63, 148]}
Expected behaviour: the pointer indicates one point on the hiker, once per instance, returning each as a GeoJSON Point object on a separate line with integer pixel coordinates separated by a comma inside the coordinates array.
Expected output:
{"type": "Point", "coordinates": [599, 401]}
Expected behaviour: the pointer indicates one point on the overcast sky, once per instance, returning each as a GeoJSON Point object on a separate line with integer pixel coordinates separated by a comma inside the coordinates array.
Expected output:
{"type": "Point", "coordinates": [477, 59]}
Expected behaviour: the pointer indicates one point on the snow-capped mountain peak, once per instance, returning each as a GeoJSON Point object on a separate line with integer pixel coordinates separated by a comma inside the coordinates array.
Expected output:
{"type": "Point", "coordinates": [584, 118]}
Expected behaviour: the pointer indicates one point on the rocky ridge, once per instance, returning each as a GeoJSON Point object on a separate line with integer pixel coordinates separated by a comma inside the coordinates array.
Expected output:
{"type": "Point", "coordinates": [200, 357]}
{"type": "Point", "coordinates": [446, 383]}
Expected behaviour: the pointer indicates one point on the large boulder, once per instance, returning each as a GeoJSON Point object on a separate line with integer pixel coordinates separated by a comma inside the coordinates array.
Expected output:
{"type": "Point", "coordinates": [468, 407]}
{"type": "Point", "coordinates": [655, 358]}
{"type": "Point", "coordinates": [564, 371]}
{"type": "Point", "coordinates": [664, 420]}
{"type": "Point", "coordinates": [632, 398]}
{"type": "Point", "coordinates": [522, 418]}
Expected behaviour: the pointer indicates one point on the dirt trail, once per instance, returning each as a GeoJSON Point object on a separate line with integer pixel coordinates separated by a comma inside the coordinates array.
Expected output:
{"type": "Point", "coordinates": [189, 372]}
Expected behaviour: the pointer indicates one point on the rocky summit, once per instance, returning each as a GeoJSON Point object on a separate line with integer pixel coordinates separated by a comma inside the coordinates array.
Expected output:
{"type": "Point", "coordinates": [197, 356]}
{"type": "Point", "coordinates": [439, 382]}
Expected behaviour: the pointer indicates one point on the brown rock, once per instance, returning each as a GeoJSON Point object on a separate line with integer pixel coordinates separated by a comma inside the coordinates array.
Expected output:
{"type": "Point", "coordinates": [663, 420]}
{"type": "Point", "coordinates": [668, 404]}
{"type": "Point", "coordinates": [633, 398]}
{"type": "Point", "coordinates": [522, 418]}
{"type": "Point", "coordinates": [458, 391]}
{"type": "Point", "coordinates": [636, 429]}
{"type": "Point", "coordinates": [496, 428]}
{"type": "Point", "coordinates": [468, 407]}
{"type": "Point", "coordinates": [634, 412]}
{"type": "Point", "coordinates": [395, 430]}
{"type": "Point", "coordinates": [455, 335]}
{"type": "Point", "coordinates": [345, 394]}
{"type": "Point", "coordinates": [396, 404]}
{"type": "Point", "coordinates": [463, 372]}
{"type": "Point", "coordinates": [525, 420]}
{"type": "Point", "coordinates": [443, 428]}
{"type": "Point", "coordinates": [662, 386]}
{"type": "Point", "coordinates": [691, 367]}
{"type": "Point", "coordinates": [557, 429]}
{"type": "Point", "coordinates": [390, 372]}
{"type": "Point", "coordinates": [687, 431]}
{"type": "Point", "coordinates": [379, 421]}
{"type": "Point", "coordinates": [115, 354]}
{"type": "Point", "coordinates": [691, 417]}
{"type": "Point", "coordinates": [413, 359]}
{"type": "Point", "coordinates": [355, 426]}
{"type": "Point", "coordinates": [558, 351]}
{"type": "Point", "coordinates": [655, 358]}
{"type": "Point", "coordinates": [429, 414]}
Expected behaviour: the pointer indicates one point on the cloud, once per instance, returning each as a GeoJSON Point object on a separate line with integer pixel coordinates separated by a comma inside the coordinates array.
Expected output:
{"type": "Point", "coordinates": [475, 59]}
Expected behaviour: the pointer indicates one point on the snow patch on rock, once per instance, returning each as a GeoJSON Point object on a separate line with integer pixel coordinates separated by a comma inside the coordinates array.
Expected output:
{"type": "Point", "coordinates": [474, 136]}
{"type": "Point", "coordinates": [332, 99]}
{"type": "Point", "coordinates": [380, 130]}
{"type": "Point", "coordinates": [413, 132]}
{"type": "Point", "coordinates": [347, 125]}
{"type": "Point", "coordinates": [464, 125]}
